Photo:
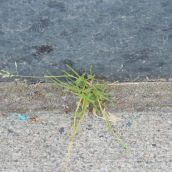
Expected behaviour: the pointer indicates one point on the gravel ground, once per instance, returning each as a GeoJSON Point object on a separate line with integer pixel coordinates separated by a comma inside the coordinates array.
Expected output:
{"type": "Point", "coordinates": [39, 143]}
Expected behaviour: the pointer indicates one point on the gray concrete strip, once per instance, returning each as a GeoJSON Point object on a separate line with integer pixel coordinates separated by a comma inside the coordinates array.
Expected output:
{"type": "Point", "coordinates": [39, 143]}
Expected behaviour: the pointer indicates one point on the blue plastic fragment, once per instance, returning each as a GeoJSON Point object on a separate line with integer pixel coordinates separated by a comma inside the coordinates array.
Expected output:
{"type": "Point", "coordinates": [24, 117]}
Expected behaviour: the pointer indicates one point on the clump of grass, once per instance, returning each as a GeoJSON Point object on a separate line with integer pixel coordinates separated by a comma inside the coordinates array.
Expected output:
{"type": "Point", "coordinates": [92, 97]}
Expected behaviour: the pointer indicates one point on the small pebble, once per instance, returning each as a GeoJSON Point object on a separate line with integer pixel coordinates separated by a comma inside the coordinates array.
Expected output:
{"type": "Point", "coordinates": [129, 124]}
{"type": "Point", "coordinates": [61, 130]}
{"type": "Point", "coordinates": [154, 145]}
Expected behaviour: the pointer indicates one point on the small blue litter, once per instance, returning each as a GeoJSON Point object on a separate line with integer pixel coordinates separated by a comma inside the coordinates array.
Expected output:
{"type": "Point", "coordinates": [24, 117]}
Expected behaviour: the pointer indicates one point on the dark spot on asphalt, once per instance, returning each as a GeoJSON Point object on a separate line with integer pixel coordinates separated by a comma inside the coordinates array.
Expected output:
{"type": "Point", "coordinates": [43, 49]}
{"type": "Point", "coordinates": [98, 37]}
{"type": "Point", "coordinates": [57, 5]}
{"type": "Point", "coordinates": [61, 130]}
{"type": "Point", "coordinates": [40, 25]}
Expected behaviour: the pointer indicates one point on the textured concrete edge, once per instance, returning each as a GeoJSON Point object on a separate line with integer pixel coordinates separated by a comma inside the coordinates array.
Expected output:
{"type": "Point", "coordinates": [128, 96]}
